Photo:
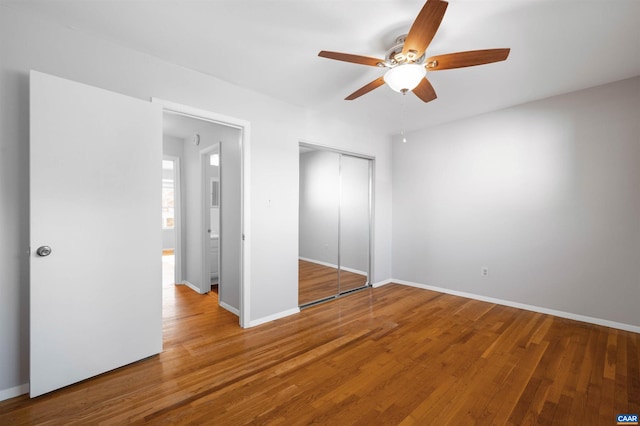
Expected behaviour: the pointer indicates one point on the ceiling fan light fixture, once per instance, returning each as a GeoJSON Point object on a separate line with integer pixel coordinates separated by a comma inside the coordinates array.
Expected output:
{"type": "Point", "coordinates": [407, 59]}
{"type": "Point", "coordinates": [405, 77]}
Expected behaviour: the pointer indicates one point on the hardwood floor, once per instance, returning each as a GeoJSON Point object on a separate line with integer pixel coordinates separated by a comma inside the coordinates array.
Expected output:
{"type": "Point", "coordinates": [316, 282]}
{"type": "Point", "coordinates": [391, 355]}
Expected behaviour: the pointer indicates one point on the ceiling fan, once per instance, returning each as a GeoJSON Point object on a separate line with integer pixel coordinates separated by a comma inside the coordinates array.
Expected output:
{"type": "Point", "coordinates": [407, 62]}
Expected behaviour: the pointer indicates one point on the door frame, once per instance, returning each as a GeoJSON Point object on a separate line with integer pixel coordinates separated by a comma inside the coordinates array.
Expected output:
{"type": "Point", "coordinates": [245, 199]}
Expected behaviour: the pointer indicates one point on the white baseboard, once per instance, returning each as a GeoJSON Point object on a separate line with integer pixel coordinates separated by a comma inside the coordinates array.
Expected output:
{"type": "Point", "coordinates": [273, 317]}
{"type": "Point", "coordinates": [229, 308]}
{"type": "Point", "coordinates": [191, 286]}
{"type": "Point", "coordinates": [330, 265]}
{"type": "Point", "coordinates": [13, 392]}
{"type": "Point", "coordinates": [319, 262]}
{"type": "Point", "coordinates": [381, 283]}
{"type": "Point", "coordinates": [561, 314]}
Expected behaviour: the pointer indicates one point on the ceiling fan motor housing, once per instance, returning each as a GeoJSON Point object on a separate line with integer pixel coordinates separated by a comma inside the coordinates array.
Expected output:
{"type": "Point", "coordinates": [395, 55]}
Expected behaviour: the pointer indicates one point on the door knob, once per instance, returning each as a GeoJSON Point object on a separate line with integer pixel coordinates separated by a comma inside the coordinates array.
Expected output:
{"type": "Point", "coordinates": [43, 251]}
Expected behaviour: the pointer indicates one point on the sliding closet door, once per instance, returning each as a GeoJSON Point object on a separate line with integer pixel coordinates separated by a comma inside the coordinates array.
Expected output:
{"type": "Point", "coordinates": [335, 223]}
{"type": "Point", "coordinates": [318, 225]}
{"type": "Point", "coordinates": [354, 222]}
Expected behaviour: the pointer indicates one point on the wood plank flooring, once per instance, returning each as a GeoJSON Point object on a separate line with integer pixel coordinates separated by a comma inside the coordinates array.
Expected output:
{"type": "Point", "coordinates": [316, 282]}
{"type": "Point", "coordinates": [391, 355]}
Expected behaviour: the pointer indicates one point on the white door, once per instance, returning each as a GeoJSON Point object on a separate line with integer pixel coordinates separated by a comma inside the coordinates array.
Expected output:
{"type": "Point", "coordinates": [95, 168]}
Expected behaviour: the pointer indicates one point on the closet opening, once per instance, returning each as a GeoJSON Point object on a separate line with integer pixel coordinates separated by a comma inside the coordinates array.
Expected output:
{"type": "Point", "coordinates": [335, 223]}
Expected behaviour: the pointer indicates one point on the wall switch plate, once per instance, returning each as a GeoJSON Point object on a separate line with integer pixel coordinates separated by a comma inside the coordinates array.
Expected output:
{"type": "Point", "coordinates": [485, 271]}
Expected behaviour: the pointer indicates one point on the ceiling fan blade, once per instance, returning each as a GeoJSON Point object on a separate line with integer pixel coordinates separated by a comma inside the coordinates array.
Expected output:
{"type": "Point", "coordinates": [365, 89]}
{"type": "Point", "coordinates": [425, 91]}
{"type": "Point", "coordinates": [424, 27]}
{"type": "Point", "coordinates": [466, 59]}
{"type": "Point", "coordinates": [346, 57]}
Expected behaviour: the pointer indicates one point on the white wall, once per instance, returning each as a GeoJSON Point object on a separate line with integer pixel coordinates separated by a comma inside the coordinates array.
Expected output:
{"type": "Point", "coordinates": [192, 213]}
{"type": "Point", "coordinates": [172, 145]}
{"type": "Point", "coordinates": [230, 220]}
{"type": "Point", "coordinates": [547, 195]}
{"type": "Point", "coordinates": [28, 42]}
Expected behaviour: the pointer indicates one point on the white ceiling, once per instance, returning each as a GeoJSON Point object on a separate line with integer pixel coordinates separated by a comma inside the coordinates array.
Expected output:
{"type": "Point", "coordinates": [271, 46]}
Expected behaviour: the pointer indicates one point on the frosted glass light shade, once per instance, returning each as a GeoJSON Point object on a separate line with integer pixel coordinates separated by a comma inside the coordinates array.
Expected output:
{"type": "Point", "coordinates": [405, 77]}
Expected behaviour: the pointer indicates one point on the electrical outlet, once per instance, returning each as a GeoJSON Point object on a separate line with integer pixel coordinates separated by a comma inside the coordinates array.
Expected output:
{"type": "Point", "coordinates": [485, 271]}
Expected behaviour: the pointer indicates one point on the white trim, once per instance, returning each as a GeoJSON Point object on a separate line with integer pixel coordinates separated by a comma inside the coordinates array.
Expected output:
{"type": "Point", "coordinates": [309, 144]}
{"type": "Point", "coordinates": [274, 317]}
{"type": "Point", "coordinates": [318, 262]}
{"type": "Point", "coordinates": [229, 308]}
{"type": "Point", "coordinates": [13, 392]}
{"type": "Point", "coordinates": [330, 265]}
{"type": "Point", "coordinates": [245, 288]}
{"type": "Point", "coordinates": [381, 283]}
{"type": "Point", "coordinates": [200, 113]}
{"type": "Point", "coordinates": [245, 142]}
{"type": "Point", "coordinates": [353, 271]}
{"type": "Point", "coordinates": [191, 286]}
{"type": "Point", "coordinates": [372, 219]}
{"type": "Point", "coordinates": [561, 314]}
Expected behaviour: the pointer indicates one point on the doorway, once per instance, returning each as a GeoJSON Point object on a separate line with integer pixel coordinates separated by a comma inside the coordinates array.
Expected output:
{"type": "Point", "coordinates": [210, 232]}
